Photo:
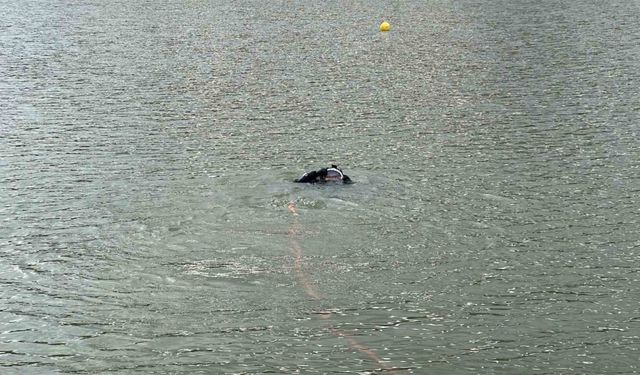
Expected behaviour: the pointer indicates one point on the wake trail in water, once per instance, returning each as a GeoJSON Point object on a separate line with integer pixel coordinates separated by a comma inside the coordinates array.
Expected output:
{"type": "Point", "coordinates": [305, 283]}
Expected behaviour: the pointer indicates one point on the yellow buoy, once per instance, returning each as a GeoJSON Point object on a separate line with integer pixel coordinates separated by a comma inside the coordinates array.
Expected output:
{"type": "Point", "coordinates": [385, 26]}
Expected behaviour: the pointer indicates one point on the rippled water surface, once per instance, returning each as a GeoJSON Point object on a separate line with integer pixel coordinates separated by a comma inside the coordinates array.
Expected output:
{"type": "Point", "coordinates": [147, 150]}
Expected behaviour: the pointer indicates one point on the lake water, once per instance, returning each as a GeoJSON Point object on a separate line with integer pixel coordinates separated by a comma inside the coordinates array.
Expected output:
{"type": "Point", "coordinates": [147, 150]}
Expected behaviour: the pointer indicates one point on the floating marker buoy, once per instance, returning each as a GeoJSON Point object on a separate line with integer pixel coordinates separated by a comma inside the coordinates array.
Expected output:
{"type": "Point", "coordinates": [385, 26]}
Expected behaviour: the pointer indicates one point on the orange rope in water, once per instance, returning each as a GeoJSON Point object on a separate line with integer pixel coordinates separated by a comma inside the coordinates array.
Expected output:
{"type": "Point", "coordinates": [306, 284]}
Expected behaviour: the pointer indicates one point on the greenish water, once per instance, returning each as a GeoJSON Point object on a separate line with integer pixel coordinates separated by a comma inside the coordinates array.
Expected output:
{"type": "Point", "coordinates": [147, 151]}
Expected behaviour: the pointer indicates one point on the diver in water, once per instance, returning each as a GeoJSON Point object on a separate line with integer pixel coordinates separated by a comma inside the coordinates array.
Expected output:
{"type": "Point", "coordinates": [324, 175]}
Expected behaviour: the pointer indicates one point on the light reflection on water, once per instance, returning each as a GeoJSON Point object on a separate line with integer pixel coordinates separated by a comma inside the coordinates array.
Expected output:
{"type": "Point", "coordinates": [147, 158]}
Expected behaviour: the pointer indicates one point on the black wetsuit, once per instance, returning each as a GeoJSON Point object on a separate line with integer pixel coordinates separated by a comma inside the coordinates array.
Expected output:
{"type": "Point", "coordinates": [319, 177]}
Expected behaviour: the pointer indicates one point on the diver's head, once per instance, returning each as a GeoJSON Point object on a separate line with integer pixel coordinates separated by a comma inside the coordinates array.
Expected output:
{"type": "Point", "coordinates": [334, 174]}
